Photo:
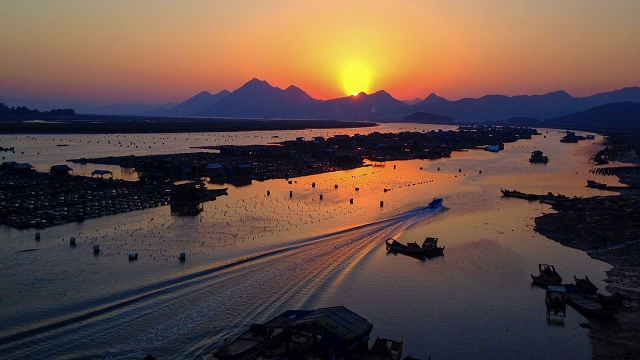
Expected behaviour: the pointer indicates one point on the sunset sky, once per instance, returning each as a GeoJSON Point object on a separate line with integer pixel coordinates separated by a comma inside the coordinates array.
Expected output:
{"type": "Point", "coordinates": [106, 52]}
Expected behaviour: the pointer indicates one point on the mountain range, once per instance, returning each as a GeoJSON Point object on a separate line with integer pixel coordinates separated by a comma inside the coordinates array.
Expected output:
{"type": "Point", "coordinates": [258, 99]}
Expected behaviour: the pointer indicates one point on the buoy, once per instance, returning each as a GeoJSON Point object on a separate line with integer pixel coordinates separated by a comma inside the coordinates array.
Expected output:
{"type": "Point", "coordinates": [438, 168]}
{"type": "Point", "coordinates": [72, 240]}
{"type": "Point", "coordinates": [351, 201]}
{"type": "Point", "coordinates": [96, 248]}
{"type": "Point", "coordinates": [320, 196]}
{"type": "Point", "coordinates": [480, 171]}
{"type": "Point", "coordinates": [38, 236]}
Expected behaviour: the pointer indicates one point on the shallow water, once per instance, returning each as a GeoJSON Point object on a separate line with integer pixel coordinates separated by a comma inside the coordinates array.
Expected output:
{"type": "Point", "coordinates": [251, 256]}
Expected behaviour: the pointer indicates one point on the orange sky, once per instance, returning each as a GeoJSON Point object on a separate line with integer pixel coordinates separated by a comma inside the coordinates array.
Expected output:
{"type": "Point", "coordinates": [167, 51]}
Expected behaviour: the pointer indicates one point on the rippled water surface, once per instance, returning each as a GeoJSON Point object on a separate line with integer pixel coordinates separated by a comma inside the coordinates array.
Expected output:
{"type": "Point", "coordinates": [251, 255]}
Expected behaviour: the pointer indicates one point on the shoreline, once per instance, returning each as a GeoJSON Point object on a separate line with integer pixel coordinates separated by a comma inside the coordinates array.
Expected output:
{"type": "Point", "coordinates": [607, 228]}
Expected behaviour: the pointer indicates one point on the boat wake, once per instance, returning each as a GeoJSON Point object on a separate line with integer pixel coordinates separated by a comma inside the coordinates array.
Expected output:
{"type": "Point", "coordinates": [198, 310]}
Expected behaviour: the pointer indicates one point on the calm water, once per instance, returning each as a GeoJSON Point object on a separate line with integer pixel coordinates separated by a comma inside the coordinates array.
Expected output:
{"type": "Point", "coordinates": [251, 256]}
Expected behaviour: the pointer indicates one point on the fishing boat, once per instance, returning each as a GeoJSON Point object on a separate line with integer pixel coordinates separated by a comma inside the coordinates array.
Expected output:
{"type": "Point", "coordinates": [548, 276]}
{"type": "Point", "coordinates": [588, 289]}
{"type": "Point", "coordinates": [133, 256]}
{"type": "Point", "coordinates": [519, 194]}
{"type": "Point", "coordinates": [585, 285]}
{"type": "Point", "coordinates": [435, 203]}
{"type": "Point", "coordinates": [595, 185]}
{"type": "Point", "coordinates": [556, 298]}
{"type": "Point", "coordinates": [411, 248]}
{"type": "Point", "coordinates": [428, 249]}
{"type": "Point", "coordinates": [385, 349]}
{"type": "Point", "coordinates": [585, 304]}
{"type": "Point", "coordinates": [538, 158]}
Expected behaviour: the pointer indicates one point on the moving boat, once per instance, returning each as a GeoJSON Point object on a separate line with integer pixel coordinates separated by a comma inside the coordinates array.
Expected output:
{"type": "Point", "coordinates": [586, 305]}
{"type": "Point", "coordinates": [435, 203]}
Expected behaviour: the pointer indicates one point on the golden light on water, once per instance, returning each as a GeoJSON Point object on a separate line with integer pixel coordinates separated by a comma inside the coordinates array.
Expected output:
{"type": "Point", "coordinates": [356, 78]}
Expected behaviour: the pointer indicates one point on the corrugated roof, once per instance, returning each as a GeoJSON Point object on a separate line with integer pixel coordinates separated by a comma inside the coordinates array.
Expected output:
{"type": "Point", "coordinates": [338, 320]}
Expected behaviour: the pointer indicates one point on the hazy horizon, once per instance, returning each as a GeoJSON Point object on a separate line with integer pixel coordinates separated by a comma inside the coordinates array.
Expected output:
{"type": "Point", "coordinates": [104, 53]}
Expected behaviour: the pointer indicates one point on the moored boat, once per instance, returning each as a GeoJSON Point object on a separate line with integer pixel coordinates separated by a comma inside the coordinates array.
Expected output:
{"type": "Point", "coordinates": [411, 248]}
{"type": "Point", "coordinates": [519, 194]}
{"type": "Point", "coordinates": [537, 157]}
{"type": "Point", "coordinates": [556, 298]}
{"type": "Point", "coordinates": [585, 304]}
{"type": "Point", "coordinates": [548, 275]}
{"type": "Point", "coordinates": [588, 289]}
{"type": "Point", "coordinates": [585, 285]}
{"type": "Point", "coordinates": [428, 249]}
{"type": "Point", "coordinates": [596, 185]}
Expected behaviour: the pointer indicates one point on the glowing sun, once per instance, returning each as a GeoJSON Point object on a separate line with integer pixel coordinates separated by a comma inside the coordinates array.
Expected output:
{"type": "Point", "coordinates": [356, 78]}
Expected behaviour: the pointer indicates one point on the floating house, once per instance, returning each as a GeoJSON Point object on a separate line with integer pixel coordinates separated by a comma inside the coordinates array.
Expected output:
{"type": "Point", "coordinates": [60, 170]}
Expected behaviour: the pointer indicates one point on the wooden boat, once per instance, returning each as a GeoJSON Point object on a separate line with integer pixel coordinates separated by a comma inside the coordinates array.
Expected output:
{"type": "Point", "coordinates": [585, 285]}
{"type": "Point", "coordinates": [428, 249]}
{"type": "Point", "coordinates": [537, 157]}
{"type": "Point", "coordinates": [586, 305]}
{"type": "Point", "coordinates": [519, 194]}
{"type": "Point", "coordinates": [556, 298]}
{"type": "Point", "coordinates": [548, 275]}
{"type": "Point", "coordinates": [596, 185]}
{"type": "Point", "coordinates": [588, 289]}
{"type": "Point", "coordinates": [411, 248]}
{"type": "Point", "coordinates": [541, 281]}
{"type": "Point", "coordinates": [385, 349]}
{"type": "Point", "coordinates": [435, 203]}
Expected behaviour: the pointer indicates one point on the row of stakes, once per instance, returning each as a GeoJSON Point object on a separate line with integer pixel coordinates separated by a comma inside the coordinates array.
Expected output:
{"type": "Point", "coordinates": [96, 248]}
{"type": "Point", "coordinates": [314, 185]}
